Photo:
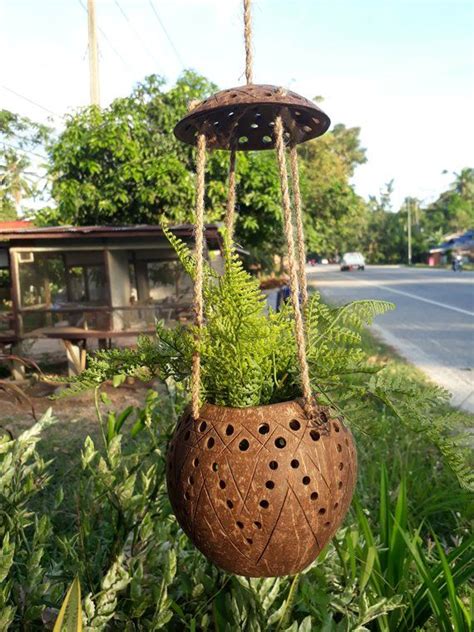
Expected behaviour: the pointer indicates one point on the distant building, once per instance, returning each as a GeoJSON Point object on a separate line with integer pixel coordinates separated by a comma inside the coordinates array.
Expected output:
{"type": "Point", "coordinates": [76, 284]}
{"type": "Point", "coordinates": [458, 243]}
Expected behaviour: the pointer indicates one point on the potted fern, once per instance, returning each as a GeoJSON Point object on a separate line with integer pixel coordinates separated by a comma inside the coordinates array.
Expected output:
{"type": "Point", "coordinates": [256, 484]}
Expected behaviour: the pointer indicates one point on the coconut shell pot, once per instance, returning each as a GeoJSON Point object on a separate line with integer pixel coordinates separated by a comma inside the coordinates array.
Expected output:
{"type": "Point", "coordinates": [260, 491]}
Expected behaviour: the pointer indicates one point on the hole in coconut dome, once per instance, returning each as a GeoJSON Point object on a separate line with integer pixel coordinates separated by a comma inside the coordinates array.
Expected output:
{"type": "Point", "coordinates": [269, 484]}
{"type": "Point", "coordinates": [322, 511]}
{"type": "Point", "coordinates": [317, 121]}
{"type": "Point", "coordinates": [222, 484]}
{"type": "Point", "coordinates": [280, 442]}
{"type": "Point", "coordinates": [267, 139]}
{"type": "Point", "coordinates": [339, 447]}
{"type": "Point", "coordinates": [264, 504]}
{"type": "Point", "coordinates": [230, 114]}
{"type": "Point", "coordinates": [254, 125]}
{"type": "Point", "coordinates": [339, 485]}
{"type": "Point", "coordinates": [264, 429]}
{"type": "Point", "coordinates": [210, 442]}
{"type": "Point", "coordinates": [336, 505]}
{"type": "Point", "coordinates": [323, 416]}
{"type": "Point", "coordinates": [230, 504]}
{"type": "Point", "coordinates": [249, 541]}
{"type": "Point", "coordinates": [257, 115]}
{"type": "Point", "coordinates": [273, 465]}
{"type": "Point", "coordinates": [244, 445]}
{"type": "Point", "coordinates": [315, 436]}
{"type": "Point", "coordinates": [295, 424]}
{"type": "Point", "coordinates": [295, 464]}
{"type": "Point", "coordinates": [272, 124]}
{"type": "Point", "coordinates": [341, 466]}
{"type": "Point", "coordinates": [216, 123]}
{"type": "Point", "coordinates": [229, 430]}
{"type": "Point", "coordinates": [257, 524]}
{"type": "Point", "coordinates": [306, 480]}
{"type": "Point", "coordinates": [243, 140]}
{"type": "Point", "coordinates": [336, 427]}
{"type": "Point", "coordinates": [268, 94]}
{"type": "Point", "coordinates": [240, 524]}
{"type": "Point", "coordinates": [234, 95]}
{"type": "Point", "coordinates": [191, 480]}
{"type": "Point", "coordinates": [307, 129]}
{"type": "Point", "coordinates": [327, 524]}
{"type": "Point", "coordinates": [297, 113]}
{"type": "Point", "coordinates": [314, 495]}
{"type": "Point", "coordinates": [215, 467]}
{"type": "Point", "coordinates": [187, 495]}
{"type": "Point", "coordinates": [196, 462]}
{"type": "Point", "coordinates": [202, 426]}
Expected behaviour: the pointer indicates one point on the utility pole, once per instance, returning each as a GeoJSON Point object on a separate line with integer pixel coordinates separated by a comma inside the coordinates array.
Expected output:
{"type": "Point", "coordinates": [409, 231]}
{"type": "Point", "coordinates": [93, 55]}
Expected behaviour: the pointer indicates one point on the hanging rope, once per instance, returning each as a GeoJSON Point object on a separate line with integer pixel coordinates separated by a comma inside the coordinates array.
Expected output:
{"type": "Point", "coordinates": [198, 281]}
{"type": "Point", "coordinates": [295, 183]}
{"type": "Point", "coordinates": [230, 208]}
{"type": "Point", "coordinates": [292, 267]}
{"type": "Point", "coordinates": [248, 41]}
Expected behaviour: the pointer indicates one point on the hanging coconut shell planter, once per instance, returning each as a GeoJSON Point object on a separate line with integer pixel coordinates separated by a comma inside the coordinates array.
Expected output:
{"type": "Point", "coordinates": [259, 490]}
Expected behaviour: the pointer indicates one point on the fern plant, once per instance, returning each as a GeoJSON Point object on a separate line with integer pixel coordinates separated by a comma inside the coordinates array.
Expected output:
{"type": "Point", "coordinates": [248, 357]}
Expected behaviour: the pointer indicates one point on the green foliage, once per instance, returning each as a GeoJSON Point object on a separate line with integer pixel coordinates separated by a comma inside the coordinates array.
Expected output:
{"type": "Point", "coordinates": [70, 615]}
{"type": "Point", "coordinates": [383, 571]}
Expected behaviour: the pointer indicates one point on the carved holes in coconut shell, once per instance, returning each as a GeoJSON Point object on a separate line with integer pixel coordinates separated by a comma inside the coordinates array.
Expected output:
{"type": "Point", "coordinates": [267, 496]}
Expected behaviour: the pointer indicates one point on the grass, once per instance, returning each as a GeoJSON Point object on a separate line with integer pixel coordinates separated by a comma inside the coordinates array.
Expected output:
{"type": "Point", "coordinates": [401, 561]}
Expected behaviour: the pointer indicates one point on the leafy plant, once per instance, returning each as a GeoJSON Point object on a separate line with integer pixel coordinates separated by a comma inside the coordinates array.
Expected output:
{"type": "Point", "coordinates": [248, 358]}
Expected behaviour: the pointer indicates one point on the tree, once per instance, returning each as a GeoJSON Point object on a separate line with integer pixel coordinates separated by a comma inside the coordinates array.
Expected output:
{"type": "Point", "coordinates": [19, 179]}
{"type": "Point", "coordinates": [336, 216]}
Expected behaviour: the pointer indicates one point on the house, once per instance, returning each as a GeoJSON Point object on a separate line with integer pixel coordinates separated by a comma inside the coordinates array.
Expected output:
{"type": "Point", "coordinates": [78, 284]}
{"type": "Point", "coordinates": [459, 243]}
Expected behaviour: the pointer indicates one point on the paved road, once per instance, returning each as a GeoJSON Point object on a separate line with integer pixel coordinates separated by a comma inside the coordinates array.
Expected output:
{"type": "Point", "coordinates": [433, 325]}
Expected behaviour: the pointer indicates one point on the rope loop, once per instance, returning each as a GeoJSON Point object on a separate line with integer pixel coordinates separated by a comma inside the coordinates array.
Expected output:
{"type": "Point", "coordinates": [293, 268]}
{"type": "Point", "coordinates": [198, 303]}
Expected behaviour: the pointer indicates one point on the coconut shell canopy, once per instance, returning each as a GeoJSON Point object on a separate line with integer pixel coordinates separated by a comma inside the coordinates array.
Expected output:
{"type": "Point", "coordinates": [243, 118]}
{"type": "Point", "coordinates": [260, 491]}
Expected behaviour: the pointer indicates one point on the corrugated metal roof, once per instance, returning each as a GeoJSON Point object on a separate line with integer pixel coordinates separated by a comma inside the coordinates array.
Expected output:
{"type": "Point", "coordinates": [55, 232]}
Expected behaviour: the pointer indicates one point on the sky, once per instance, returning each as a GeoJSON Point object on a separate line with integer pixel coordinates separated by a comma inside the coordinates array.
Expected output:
{"type": "Point", "coordinates": [401, 70]}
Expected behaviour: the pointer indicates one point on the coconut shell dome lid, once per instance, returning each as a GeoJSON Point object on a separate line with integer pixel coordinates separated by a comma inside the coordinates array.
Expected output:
{"type": "Point", "coordinates": [243, 118]}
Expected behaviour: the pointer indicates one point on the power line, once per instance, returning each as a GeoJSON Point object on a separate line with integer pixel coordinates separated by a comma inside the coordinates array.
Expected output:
{"type": "Point", "coordinates": [168, 36]}
{"type": "Point", "coordinates": [136, 33]}
{"type": "Point", "coordinates": [112, 47]}
{"type": "Point", "coordinates": [38, 105]}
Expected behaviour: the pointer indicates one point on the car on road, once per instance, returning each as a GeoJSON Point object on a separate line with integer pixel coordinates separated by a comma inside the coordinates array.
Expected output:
{"type": "Point", "coordinates": [352, 261]}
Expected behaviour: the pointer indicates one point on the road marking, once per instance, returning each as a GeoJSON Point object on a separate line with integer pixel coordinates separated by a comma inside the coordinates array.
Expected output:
{"type": "Point", "coordinates": [419, 298]}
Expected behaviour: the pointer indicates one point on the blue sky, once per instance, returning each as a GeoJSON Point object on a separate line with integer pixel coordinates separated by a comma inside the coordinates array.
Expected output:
{"type": "Point", "coordinates": [402, 70]}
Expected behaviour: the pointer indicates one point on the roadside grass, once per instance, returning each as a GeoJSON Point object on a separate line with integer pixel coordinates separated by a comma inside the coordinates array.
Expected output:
{"type": "Point", "coordinates": [401, 561]}
{"type": "Point", "coordinates": [433, 492]}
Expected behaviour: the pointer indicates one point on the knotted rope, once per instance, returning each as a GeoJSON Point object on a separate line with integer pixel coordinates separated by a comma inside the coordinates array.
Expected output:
{"type": "Point", "coordinates": [198, 281]}
{"type": "Point", "coordinates": [230, 208]}
{"type": "Point", "coordinates": [293, 267]}
{"type": "Point", "coordinates": [248, 41]}
{"type": "Point", "coordinates": [295, 183]}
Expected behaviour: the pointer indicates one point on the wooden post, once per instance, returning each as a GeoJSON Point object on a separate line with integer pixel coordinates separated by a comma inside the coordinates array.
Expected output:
{"type": "Point", "coordinates": [76, 358]}
{"type": "Point", "coordinates": [16, 300]}
{"type": "Point", "coordinates": [93, 56]}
